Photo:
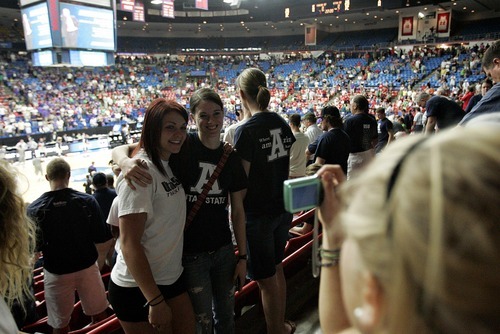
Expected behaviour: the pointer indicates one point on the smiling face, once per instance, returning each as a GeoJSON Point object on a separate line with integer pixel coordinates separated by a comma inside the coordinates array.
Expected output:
{"type": "Point", "coordinates": [209, 118]}
{"type": "Point", "coordinates": [173, 134]}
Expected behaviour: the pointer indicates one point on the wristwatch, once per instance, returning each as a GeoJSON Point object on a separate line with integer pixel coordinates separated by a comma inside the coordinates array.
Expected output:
{"type": "Point", "coordinates": [243, 257]}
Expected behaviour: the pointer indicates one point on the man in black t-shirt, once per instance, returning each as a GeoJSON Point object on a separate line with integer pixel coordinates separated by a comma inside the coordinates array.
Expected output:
{"type": "Point", "coordinates": [362, 131]}
{"type": "Point", "coordinates": [69, 225]}
{"type": "Point", "coordinates": [440, 111]}
{"type": "Point", "coordinates": [384, 129]}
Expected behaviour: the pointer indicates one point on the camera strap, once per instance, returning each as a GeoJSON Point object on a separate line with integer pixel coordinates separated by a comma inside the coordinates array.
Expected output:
{"type": "Point", "coordinates": [207, 186]}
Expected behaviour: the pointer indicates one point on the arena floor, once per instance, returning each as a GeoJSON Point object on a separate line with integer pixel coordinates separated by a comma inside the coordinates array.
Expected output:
{"type": "Point", "coordinates": [31, 186]}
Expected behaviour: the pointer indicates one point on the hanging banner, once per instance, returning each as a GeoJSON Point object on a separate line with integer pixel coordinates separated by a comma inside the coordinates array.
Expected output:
{"type": "Point", "coordinates": [167, 9]}
{"type": "Point", "coordinates": [127, 5]}
{"type": "Point", "coordinates": [138, 14]}
{"type": "Point", "coordinates": [201, 4]}
{"type": "Point", "coordinates": [407, 27]}
{"type": "Point", "coordinates": [310, 35]}
{"type": "Point", "coordinates": [443, 24]}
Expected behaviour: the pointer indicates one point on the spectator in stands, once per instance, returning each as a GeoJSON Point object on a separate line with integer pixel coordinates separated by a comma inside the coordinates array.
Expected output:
{"type": "Point", "coordinates": [362, 131]}
{"type": "Point", "coordinates": [104, 197]}
{"type": "Point", "coordinates": [147, 289]}
{"type": "Point", "coordinates": [408, 118]}
{"type": "Point", "coordinates": [242, 117]}
{"type": "Point", "coordinates": [298, 158]}
{"type": "Point", "coordinates": [17, 246]}
{"type": "Point", "coordinates": [209, 261]}
{"type": "Point", "coordinates": [334, 144]}
{"type": "Point", "coordinates": [327, 110]}
{"type": "Point", "coordinates": [70, 224]}
{"type": "Point", "coordinates": [384, 129]}
{"type": "Point", "coordinates": [441, 112]}
{"type": "Point", "coordinates": [418, 272]}
{"type": "Point", "coordinates": [467, 96]}
{"type": "Point", "coordinates": [210, 266]}
{"type": "Point", "coordinates": [491, 100]}
{"type": "Point", "coordinates": [312, 131]}
{"type": "Point", "coordinates": [418, 121]}
{"type": "Point", "coordinates": [264, 143]}
{"type": "Point", "coordinates": [110, 179]}
{"type": "Point", "coordinates": [485, 87]}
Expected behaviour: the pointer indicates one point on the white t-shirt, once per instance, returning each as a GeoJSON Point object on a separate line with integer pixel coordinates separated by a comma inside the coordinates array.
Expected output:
{"type": "Point", "coordinates": [298, 158]}
{"type": "Point", "coordinates": [7, 323]}
{"type": "Point", "coordinates": [313, 132]}
{"type": "Point", "coordinates": [113, 220]}
{"type": "Point", "coordinates": [164, 202]}
{"type": "Point", "coordinates": [231, 130]}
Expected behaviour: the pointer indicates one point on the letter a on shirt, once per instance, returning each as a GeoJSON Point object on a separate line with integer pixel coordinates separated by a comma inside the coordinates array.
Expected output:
{"type": "Point", "coordinates": [207, 170]}
{"type": "Point", "coordinates": [277, 150]}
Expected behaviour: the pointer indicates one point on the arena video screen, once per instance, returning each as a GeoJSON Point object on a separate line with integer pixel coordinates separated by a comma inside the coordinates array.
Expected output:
{"type": "Point", "coordinates": [43, 58]}
{"type": "Point", "coordinates": [90, 58]}
{"type": "Point", "coordinates": [84, 27]}
{"type": "Point", "coordinates": [36, 26]}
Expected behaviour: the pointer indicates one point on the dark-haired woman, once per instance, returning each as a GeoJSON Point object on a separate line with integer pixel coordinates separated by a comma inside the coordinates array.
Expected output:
{"type": "Point", "coordinates": [147, 289]}
{"type": "Point", "coordinates": [210, 265]}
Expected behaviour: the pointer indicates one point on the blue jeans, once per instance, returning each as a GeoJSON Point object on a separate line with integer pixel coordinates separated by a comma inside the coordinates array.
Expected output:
{"type": "Point", "coordinates": [209, 279]}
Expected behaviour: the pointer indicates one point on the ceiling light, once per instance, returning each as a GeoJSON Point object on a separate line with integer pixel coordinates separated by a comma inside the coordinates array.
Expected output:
{"type": "Point", "coordinates": [156, 2]}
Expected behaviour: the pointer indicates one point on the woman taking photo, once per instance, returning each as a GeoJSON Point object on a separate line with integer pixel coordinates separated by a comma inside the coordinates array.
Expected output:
{"type": "Point", "coordinates": [147, 288]}
{"type": "Point", "coordinates": [418, 238]}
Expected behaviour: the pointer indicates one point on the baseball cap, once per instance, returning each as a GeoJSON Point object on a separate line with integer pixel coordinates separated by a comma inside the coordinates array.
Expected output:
{"type": "Point", "coordinates": [330, 110]}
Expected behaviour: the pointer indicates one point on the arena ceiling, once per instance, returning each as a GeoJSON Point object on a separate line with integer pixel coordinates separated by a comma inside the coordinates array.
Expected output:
{"type": "Point", "coordinates": [268, 17]}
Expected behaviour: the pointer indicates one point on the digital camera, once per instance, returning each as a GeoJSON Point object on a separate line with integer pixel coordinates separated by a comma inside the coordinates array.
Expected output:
{"type": "Point", "coordinates": [303, 193]}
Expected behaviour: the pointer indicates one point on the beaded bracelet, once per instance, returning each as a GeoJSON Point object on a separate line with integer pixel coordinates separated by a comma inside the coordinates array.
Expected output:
{"type": "Point", "coordinates": [331, 256]}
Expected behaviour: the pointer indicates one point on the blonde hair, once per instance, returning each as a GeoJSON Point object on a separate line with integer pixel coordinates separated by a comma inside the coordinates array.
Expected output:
{"type": "Point", "coordinates": [17, 240]}
{"type": "Point", "coordinates": [253, 82]}
{"type": "Point", "coordinates": [433, 242]}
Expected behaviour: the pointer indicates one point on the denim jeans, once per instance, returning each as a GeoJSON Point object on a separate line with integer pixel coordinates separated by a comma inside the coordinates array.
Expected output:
{"type": "Point", "coordinates": [209, 279]}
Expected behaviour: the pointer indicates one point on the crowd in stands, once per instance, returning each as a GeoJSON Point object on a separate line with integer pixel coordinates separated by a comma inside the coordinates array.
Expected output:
{"type": "Point", "coordinates": [47, 100]}
{"type": "Point", "coordinates": [344, 93]}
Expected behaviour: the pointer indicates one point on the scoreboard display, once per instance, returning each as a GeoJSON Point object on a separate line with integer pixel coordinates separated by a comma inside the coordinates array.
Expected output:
{"type": "Point", "coordinates": [70, 32]}
{"type": "Point", "coordinates": [331, 7]}
{"type": "Point", "coordinates": [315, 9]}
{"type": "Point", "coordinates": [327, 7]}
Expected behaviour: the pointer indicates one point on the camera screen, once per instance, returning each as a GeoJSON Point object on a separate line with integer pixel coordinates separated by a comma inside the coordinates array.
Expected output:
{"type": "Point", "coordinates": [305, 196]}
